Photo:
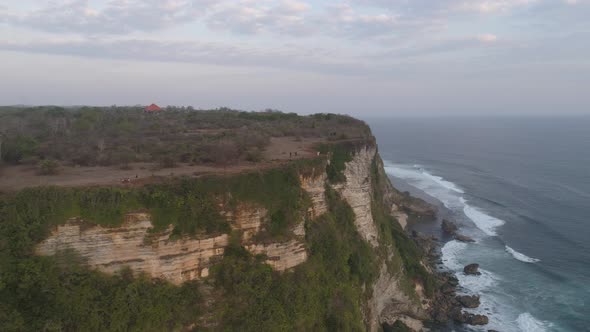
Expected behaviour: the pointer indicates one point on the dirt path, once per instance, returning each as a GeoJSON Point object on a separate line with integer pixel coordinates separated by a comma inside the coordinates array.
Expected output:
{"type": "Point", "coordinates": [280, 151]}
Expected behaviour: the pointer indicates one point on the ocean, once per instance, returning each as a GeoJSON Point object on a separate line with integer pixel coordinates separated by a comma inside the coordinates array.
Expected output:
{"type": "Point", "coordinates": [521, 188]}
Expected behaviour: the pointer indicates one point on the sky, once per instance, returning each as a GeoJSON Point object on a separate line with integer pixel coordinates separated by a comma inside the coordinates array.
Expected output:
{"type": "Point", "coordinates": [360, 57]}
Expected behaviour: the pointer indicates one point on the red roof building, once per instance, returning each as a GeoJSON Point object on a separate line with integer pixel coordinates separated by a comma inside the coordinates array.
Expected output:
{"type": "Point", "coordinates": [153, 108]}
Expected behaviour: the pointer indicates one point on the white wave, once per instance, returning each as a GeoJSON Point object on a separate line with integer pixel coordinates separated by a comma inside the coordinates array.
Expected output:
{"type": "Point", "coordinates": [450, 254]}
{"type": "Point", "coordinates": [521, 257]}
{"type": "Point", "coordinates": [483, 221]}
{"type": "Point", "coordinates": [527, 323]}
{"type": "Point", "coordinates": [437, 187]}
{"type": "Point", "coordinates": [447, 184]}
{"type": "Point", "coordinates": [478, 284]}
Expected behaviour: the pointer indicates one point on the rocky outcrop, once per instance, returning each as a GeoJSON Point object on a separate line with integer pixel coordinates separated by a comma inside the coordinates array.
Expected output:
{"type": "Point", "coordinates": [389, 303]}
{"type": "Point", "coordinates": [133, 245]}
{"type": "Point", "coordinates": [472, 269]}
{"type": "Point", "coordinates": [449, 227]}
{"type": "Point", "coordinates": [357, 191]}
{"type": "Point", "coordinates": [110, 249]}
{"type": "Point", "coordinates": [281, 256]}
{"type": "Point", "coordinates": [472, 319]}
{"type": "Point", "coordinates": [463, 238]}
{"type": "Point", "coordinates": [246, 218]}
{"type": "Point", "coordinates": [314, 184]}
{"type": "Point", "coordinates": [468, 301]}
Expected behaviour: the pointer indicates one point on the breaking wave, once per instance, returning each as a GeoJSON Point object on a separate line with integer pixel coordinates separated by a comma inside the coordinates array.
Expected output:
{"type": "Point", "coordinates": [521, 257]}
{"type": "Point", "coordinates": [527, 323]}
{"type": "Point", "coordinates": [447, 192]}
{"type": "Point", "coordinates": [483, 221]}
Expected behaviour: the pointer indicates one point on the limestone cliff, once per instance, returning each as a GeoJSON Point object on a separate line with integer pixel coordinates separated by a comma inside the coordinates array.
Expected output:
{"type": "Point", "coordinates": [187, 258]}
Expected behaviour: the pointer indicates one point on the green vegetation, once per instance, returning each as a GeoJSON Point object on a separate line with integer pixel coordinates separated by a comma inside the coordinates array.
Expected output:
{"type": "Point", "coordinates": [326, 293]}
{"type": "Point", "coordinates": [339, 154]}
{"type": "Point", "coordinates": [48, 167]}
{"type": "Point", "coordinates": [89, 136]}
{"type": "Point", "coordinates": [190, 205]}
{"type": "Point", "coordinates": [59, 294]}
{"type": "Point", "coordinates": [407, 256]}
{"type": "Point", "coordinates": [322, 294]}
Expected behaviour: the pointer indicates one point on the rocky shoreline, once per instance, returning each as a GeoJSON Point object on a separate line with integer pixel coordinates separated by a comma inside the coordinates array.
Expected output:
{"type": "Point", "coordinates": [448, 307]}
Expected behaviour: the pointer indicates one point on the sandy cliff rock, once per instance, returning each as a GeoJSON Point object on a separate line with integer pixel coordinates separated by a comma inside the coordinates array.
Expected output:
{"type": "Point", "coordinates": [357, 191]}
{"type": "Point", "coordinates": [131, 245]}
{"type": "Point", "coordinates": [109, 249]}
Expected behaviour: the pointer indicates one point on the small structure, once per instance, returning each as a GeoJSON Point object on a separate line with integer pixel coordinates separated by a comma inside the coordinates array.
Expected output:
{"type": "Point", "coordinates": [152, 108]}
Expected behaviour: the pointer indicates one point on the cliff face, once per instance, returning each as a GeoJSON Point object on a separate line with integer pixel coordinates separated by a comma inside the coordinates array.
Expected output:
{"type": "Point", "coordinates": [110, 249]}
{"type": "Point", "coordinates": [179, 260]}
{"type": "Point", "coordinates": [132, 245]}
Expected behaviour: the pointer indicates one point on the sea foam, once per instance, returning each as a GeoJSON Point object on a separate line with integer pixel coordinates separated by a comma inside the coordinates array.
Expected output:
{"type": "Point", "coordinates": [445, 191]}
{"type": "Point", "coordinates": [483, 221]}
{"type": "Point", "coordinates": [527, 323]}
{"type": "Point", "coordinates": [520, 256]}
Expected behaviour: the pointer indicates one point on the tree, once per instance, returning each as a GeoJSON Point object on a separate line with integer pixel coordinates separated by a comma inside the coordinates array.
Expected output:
{"type": "Point", "coordinates": [226, 152]}
{"type": "Point", "coordinates": [48, 167]}
{"type": "Point", "coordinates": [1, 141]}
{"type": "Point", "coordinates": [19, 147]}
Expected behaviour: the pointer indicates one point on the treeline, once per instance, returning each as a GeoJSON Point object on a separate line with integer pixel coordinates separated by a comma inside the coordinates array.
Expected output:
{"type": "Point", "coordinates": [89, 136]}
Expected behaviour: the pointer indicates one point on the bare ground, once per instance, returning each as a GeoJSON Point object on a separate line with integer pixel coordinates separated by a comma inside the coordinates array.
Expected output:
{"type": "Point", "coordinates": [280, 151]}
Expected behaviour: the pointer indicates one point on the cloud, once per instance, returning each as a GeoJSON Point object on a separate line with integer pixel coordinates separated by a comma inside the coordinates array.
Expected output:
{"type": "Point", "coordinates": [458, 47]}
{"type": "Point", "coordinates": [115, 17]}
{"type": "Point", "coordinates": [487, 38]}
{"type": "Point", "coordinates": [493, 6]}
{"type": "Point", "coordinates": [249, 17]}
{"type": "Point", "coordinates": [285, 56]}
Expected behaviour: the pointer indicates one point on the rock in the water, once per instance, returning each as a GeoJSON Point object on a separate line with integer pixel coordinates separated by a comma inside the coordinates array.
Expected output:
{"type": "Point", "coordinates": [472, 269]}
{"type": "Point", "coordinates": [477, 319]}
{"type": "Point", "coordinates": [471, 319]}
{"type": "Point", "coordinates": [453, 281]}
{"type": "Point", "coordinates": [463, 238]}
{"type": "Point", "coordinates": [469, 301]}
{"type": "Point", "coordinates": [449, 227]}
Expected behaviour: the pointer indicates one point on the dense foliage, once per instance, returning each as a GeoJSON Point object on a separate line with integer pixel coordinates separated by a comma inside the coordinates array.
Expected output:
{"type": "Point", "coordinates": [89, 136]}
{"type": "Point", "coordinates": [326, 293]}
{"type": "Point", "coordinates": [323, 294]}
{"type": "Point", "coordinates": [57, 294]}
{"type": "Point", "coordinates": [340, 154]}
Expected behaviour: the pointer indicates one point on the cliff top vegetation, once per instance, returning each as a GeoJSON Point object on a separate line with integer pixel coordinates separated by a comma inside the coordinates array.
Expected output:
{"type": "Point", "coordinates": [50, 145]}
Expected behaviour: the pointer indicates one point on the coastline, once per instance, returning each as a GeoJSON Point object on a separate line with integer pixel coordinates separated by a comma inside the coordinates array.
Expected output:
{"type": "Point", "coordinates": [432, 232]}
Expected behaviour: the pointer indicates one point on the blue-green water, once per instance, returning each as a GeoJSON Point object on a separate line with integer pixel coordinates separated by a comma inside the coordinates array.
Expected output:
{"type": "Point", "coordinates": [521, 188]}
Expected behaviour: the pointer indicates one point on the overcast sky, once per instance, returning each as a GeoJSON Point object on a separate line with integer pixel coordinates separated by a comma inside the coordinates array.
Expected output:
{"type": "Point", "coordinates": [362, 57]}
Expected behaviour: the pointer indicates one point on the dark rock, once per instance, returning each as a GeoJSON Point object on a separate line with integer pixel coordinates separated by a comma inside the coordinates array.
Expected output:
{"type": "Point", "coordinates": [468, 318]}
{"type": "Point", "coordinates": [453, 281]}
{"type": "Point", "coordinates": [472, 269]}
{"type": "Point", "coordinates": [447, 289]}
{"type": "Point", "coordinates": [492, 331]}
{"type": "Point", "coordinates": [463, 238]}
{"type": "Point", "coordinates": [477, 319]}
{"type": "Point", "coordinates": [468, 301]}
{"type": "Point", "coordinates": [449, 227]}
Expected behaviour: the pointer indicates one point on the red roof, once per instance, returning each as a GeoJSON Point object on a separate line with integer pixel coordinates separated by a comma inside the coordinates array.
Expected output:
{"type": "Point", "coordinates": [153, 108]}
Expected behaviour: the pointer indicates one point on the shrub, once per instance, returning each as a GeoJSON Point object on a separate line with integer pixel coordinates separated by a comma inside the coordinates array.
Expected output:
{"type": "Point", "coordinates": [48, 167]}
{"type": "Point", "coordinates": [254, 155]}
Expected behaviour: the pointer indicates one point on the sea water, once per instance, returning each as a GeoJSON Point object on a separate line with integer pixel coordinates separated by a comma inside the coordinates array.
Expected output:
{"type": "Point", "coordinates": [520, 187]}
